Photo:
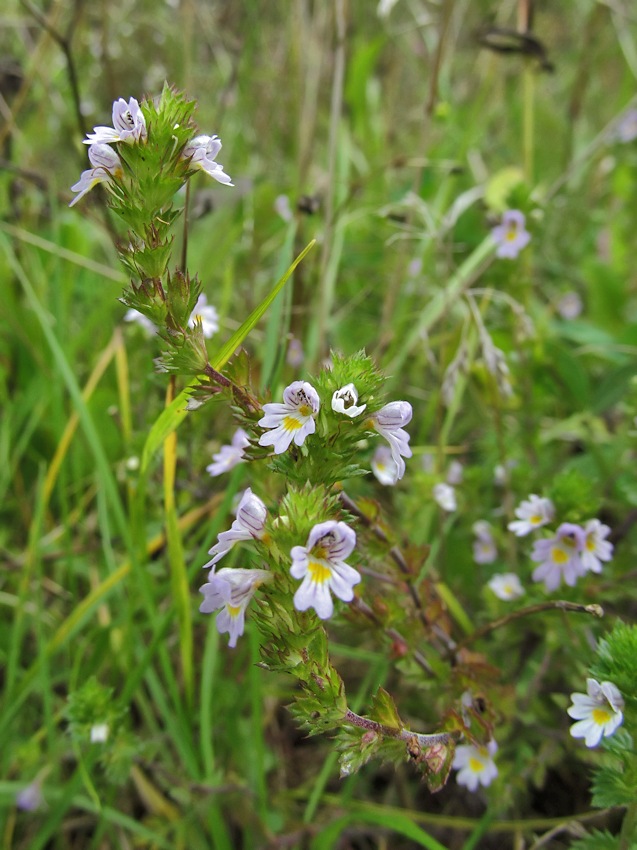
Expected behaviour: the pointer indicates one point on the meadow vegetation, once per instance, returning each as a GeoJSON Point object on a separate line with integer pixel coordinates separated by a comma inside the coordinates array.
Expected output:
{"type": "Point", "coordinates": [407, 276]}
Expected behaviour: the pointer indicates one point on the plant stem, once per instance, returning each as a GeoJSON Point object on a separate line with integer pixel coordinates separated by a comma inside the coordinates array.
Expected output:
{"type": "Point", "coordinates": [405, 735]}
{"type": "Point", "coordinates": [629, 828]}
{"type": "Point", "coordinates": [549, 605]}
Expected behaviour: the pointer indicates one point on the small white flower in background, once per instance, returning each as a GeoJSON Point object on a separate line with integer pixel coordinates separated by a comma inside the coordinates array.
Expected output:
{"type": "Point", "coordinates": [295, 356]}
{"type": "Point", "coordinates": [229, 456]}
{"type": "Point", "coordinates": [202, 152]}
{"type": "Point", "coordinates": [99, 733]}
{"type": "Point", "coordinates": [106, 165]}
{"type": "Point", "coordinates": [415, 267]}
{"type": "Point", "coordinates": [129, 125]}
{"type": "Point", "coordinates": [506, 586]}
{"type": "Point", "coordinates": [531, 514]}
{"type": "Point", "coordinates": [596, 547]}
{"type": "Point", "coordinates": [570, 305]}
{"type": "Point", "coordinates": [626, 129]}
{"type": "Point", "coordinates": [455, 473]}
{"type": "Point", "coordinates": [500, 475]}
{"type": "Point", "coordinates": [231, 589]}
{"type": "Point", "coordinates": [475, 765]}
{"type": "Point", "coordinates": [140, 319]}
{"type": "Point", "coordinates": [30, 798]}
{"type": "Point", "coordinates": [598, 712]}
{"type": "Point", "coordinates": [249, 525]}
{"type": "Point", "coordinates": [282, 207]}
{"type": "Point", "coordinates": [321, 565]}
{"type": "Point", "coordinates": [344, 401]}
{"type": "Point", "coordinates": [510, 236]}
{"type": "Point", "coordinates": [484, 548]}
{"type": "Point", "coordinates": [384, 466]}
{"type": "Point", "coordinates": [208, 316]}
{"type": "Point", "coordinates": [445, 495]}
{"type": "Point", "coordinates": [292, 420]}
{"type": "Point", "coordinates": [389, 421]}
{"type": "Point", "coordinates": [560, 557]}
{"type": "Point", "coordinates": [482, 529]}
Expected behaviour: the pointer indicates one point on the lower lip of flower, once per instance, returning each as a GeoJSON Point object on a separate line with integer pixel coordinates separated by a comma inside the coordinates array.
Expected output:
{"type": "Point", "coordinates": [291, 424]}
{"type": "Point", "coordinates": [601, 716]}
{"type": "Point", "coordinates": [559, 556]}
{"type": "Point", "coordinates": [318, 572]}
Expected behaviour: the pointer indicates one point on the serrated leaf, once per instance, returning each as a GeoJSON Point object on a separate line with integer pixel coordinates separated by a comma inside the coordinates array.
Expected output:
{"type": "Point", "coordinates": [384, 710]}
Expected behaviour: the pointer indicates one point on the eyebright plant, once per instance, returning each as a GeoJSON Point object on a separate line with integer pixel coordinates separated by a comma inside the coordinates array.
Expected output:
{"type": "Point", "coordinates": [306, 535]}
{"type": "Point", "coordinates": [310, 554]}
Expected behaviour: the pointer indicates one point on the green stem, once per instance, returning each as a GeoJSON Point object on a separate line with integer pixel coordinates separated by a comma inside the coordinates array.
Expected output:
{"type": "Point", "coordinates": [178, 571]}
{"type": "Point", "coordinates": [629, 828]}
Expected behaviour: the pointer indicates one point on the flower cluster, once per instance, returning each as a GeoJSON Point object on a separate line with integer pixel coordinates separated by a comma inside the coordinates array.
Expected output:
{"type": "Point", "coordinates": [295, 419]}
{"type": "Point", "coordinates": [129, 128]}
{"type": "Point", "coordinates": [320, 565]}
{"type": "Point", "coordinates": [570, 553]}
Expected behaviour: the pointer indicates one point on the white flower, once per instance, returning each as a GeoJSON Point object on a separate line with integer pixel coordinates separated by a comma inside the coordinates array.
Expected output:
{"type": "Point", "coordinates": [344, 401]}
{"type": "Point", "coordinates": [445, 495]}
{"type": "Point", "coordinates": [249, 524]}
{"type": "Point", "coordinates": [140, 319]}
{"type": "Point", "coordinates": [295, 354]}
{"type": "Point", "coordinates": [510, 236]}
{"type": "Point", "coordinates": [229, 456]}
{"type": "Point", "coordinates": [626, 129]}
{"type": "Point", "coordinates": [596, 547]}
{"type": "Point", "coordinates": [500, 475]}
{"type": "Point", "coordinates": [599, 712]}
{"type": "Point", "coordinates": [30, 798]}
{"type": "Point", "coordinates": [202, 152]}
{"type": "Point", "coordinates": [99, 733]}
{"type": "Point", "coordinates": [129, 125]}
{"type": "Point", "coordinates": [506, 586]}
{"type": "Point", "coordinates": [320, 563]}
{"type": "Point", "coordinates": [560, 556]}
{"type": "Point", "coordinates": [282, 207]}
{"type": "Point", "coordinates": [570, 305]}
{"type": "Point", "coordinates": [475, 765]}
{"type": "Point", "coordinates": [389, 421]}
{"type": "Point", "coordinates": [484, 550]}
{"type": "Point", "coordinates": [292, 420]}
{"type": "Point", "coordinates": [106, 165]}
{"type": "Point", "coordinates": [455, 473]}
{"type": "Point", "coordinates": [384, 466]}
{"type": "Point", "coordinates": [231, 589]}
{"type": "Point", "coordinates": [208, 316]}
{"type": "Point", "coordinates": [531, 514]}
